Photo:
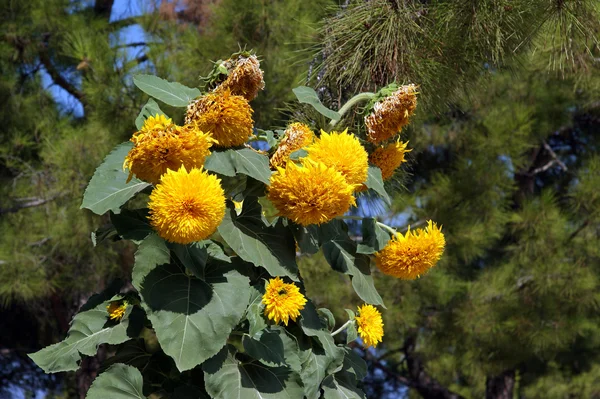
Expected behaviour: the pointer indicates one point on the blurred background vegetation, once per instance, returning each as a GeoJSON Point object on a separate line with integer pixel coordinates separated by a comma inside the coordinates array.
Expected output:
{"type": "Point", "coordinates": [505, 157]}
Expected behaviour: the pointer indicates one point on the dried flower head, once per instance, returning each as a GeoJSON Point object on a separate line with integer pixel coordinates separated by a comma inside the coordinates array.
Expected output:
{"type": "Point", "coordinates": [187, 206]}
{"type": "Point", "coordinates": [389, 158]}
{"type": "Point", "coordinates": [391, 114]}
{"type": "Point", "coordinates": [282, 301]}
{"type": "Point", "coordinates": [370, 325]}
{"type": "Point", "coordinates": [161, 145]}
{"type": "Point", "coordinates": [410, 255]}
{"type": "Point", "coordinates": [245, 78]}
{"type": "Point", "coordinates": [296, 136]}
{"type": "Point", "coordinates": [344, 153]}
{"type": "Point", "coordinates": [311, 193]}
{"type": "Point", "coordinates": [228, 118]}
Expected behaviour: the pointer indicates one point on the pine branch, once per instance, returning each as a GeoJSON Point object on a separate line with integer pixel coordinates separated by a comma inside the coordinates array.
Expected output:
{"type": "Point", "coordinates": [27, 203]}
{"type": "Point", "coordinates": [57, 78]}
{"type": "Point", "coordinates": [103, 8]}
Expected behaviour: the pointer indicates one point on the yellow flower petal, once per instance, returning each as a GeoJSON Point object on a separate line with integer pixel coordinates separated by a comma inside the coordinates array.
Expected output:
{"type": "Point", "coordinates": [282, 301]}
{"type": "Point", "coordinates": [389, 158]}
{"type": "Point", "coordinates": [370, 325]}
{"type": "Point", "coordinates": [116, 310]}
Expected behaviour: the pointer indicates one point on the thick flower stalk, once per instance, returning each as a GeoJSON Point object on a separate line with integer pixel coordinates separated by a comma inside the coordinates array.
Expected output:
{"type": "Point", "coordinates": [116, 310]}
{"type": "Point", "coordinates": [389, 158]}
{"type": "Point", "coordinates": [296, 136]}
{"type": "Point", "coordinates": [370, 325]}
{"type": "Point", "coordinates": [391, 114]}
{"type": "Point", "coordinates": [187, 206]}
{"type": "Point", "coordinates": [410, 255]}
{"type": "Point", "coordinates": [282, 301]}
{"type": "Point", "coordinates": [245, 78]}
{"type": "Point", "coordinates": [311, 193]}
{"type": "Point", "coordinates": [227, 117]}
{"type": "Point", "coordinates": [344, 153]}
{"type": "Point", "coordinates": [160, 145]}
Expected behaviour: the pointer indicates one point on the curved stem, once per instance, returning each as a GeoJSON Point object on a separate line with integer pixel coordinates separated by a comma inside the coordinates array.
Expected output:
{"type": "Point", "coordinates": [342, 328]}
{"type": "Point", "coordinates": [350, 103]}
{"type": "Point", "coordinates": [384, 226]}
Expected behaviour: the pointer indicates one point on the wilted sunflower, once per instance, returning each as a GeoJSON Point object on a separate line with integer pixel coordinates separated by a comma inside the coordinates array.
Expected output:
{"type": "Point", "coordinates": [226, 117]}
{"type": "Point", "coordinates": [161, 145]}
{"type": "Point", "coordinates": [389, 158]}
{"type": "Point", "coordinates": [187, 206]}
{"type": "Point", "coordinates": [296, 136]}
{"type": "Point", "coordinates": [344, 153]}
{"type": "Point", "coordinates": [410, 255]}
{"type": "Point", "coordinates": [391, 114]}
{"type": "Point", "coordinates": [370, 325]}
{"type": "Point", "coordinates": [311, 193]}
{"type": "Point", "coordinates": [282, 301]}
{"type": "Point", "coordinates": [116, 310]}
{"type": "Point", "coordinates": [244, 78]}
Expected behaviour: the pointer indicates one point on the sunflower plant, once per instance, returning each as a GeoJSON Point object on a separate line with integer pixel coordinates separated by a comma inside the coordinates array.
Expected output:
{"type": "Point", "coordinates": [217, 306]}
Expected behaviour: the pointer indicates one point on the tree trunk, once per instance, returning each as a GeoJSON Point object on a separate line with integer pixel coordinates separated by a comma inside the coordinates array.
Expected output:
{"type": "Point", "coordinates": [500, 386]}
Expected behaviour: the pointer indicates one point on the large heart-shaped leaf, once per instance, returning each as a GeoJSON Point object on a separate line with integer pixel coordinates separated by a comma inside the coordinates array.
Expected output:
{"type": "Point", "coordinates": [118, 382]}
{"type": "Point", "coordinates": [108, 189]}
{"type": "Point", "coordinates": [172, 93]}
{"type": "Point", "coordinates": [242, 160]}
{"type": "Point", "coordinates": [341, 386]}
{"type": "Point", "coordinates": [374, 238]}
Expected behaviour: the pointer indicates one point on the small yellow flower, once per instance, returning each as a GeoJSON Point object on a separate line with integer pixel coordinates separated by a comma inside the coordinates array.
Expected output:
{"type": "Point", "coordinates": [245, 77]}
{"type": "Point", "coordinates": [344, 153]}
{"type": "Point", "coordinates": [161, 145]}
{"type": "Point", "coordinates": [226, 117]}
{"type": "Point", "coordinates": [392, 114]}
{"type": "Point", "coordinates": [187, 206]}
{"type": "Point", "coordinates": [370, 325]}
{"type": "Point", "coordinates": [411, 255]}
{"type": "Point", "coordinates": [389, 158]}
{"type": "Point", "coordinates": [282, 301]}
{"type": "Point", "coordinates": [311, 193]}
{"type": "Point", "coordinates": [116, 310]}
{"type": "Point", "coordinates": [297, 135]}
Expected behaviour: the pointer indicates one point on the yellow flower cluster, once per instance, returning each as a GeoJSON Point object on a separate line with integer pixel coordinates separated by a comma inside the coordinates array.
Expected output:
{"type": "Point", "coordinates": [410, 255]}
{"type": "Point", "coordinates": [370, 325]}
{"type": "Point", "coordinates": [282, 301]}
{"type": "Point", "coordinates": [389, 158]}
{"type": "Point", "coordinates": [321, 187]}
{"type": "Point", "coordinates": [116, 310]}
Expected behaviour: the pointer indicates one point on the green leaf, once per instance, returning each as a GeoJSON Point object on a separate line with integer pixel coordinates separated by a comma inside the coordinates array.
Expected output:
{"type": "Point", "coordinates": [255, 311]}
{"type": "Point", "coordinates": [108, 189]}
{"type": "Point", "coordinates": [341, 386]}
{"type": "Point", "coordinates": [296, 155]}
{"type": "Point", "coordinates": [375, 183]}
{"type": "Point", "coordinates": [152, 252]}
{"type": "Point", "coordinates": [132, 224]}
{"type": "Point", "coordinates": [118, 382]}
{"type": "Point", "coordinates": [193, 257]}
{"type": "Point", "coordinates": [265, 346]}
{"type": "Point", "coordinates": [89, 329]}
{"type": "Point", "coordinates": [307, 237]}
{"type": "Point", "coordinates": [227, 378]}
{"type": "Point", "coordinates": [242, 160]}
{"type": "Point", "coordinates": [272, 247]}
{"type": "Point", "coordinates": [151, 108]}
{"type": "Point", "coordinates": [307, 95]}
{"type": "Point", "coordinates": [354, 364]}
{"type": "Point", "coordinates": [171, 93]}
{"type": "Point", "coordinates": [374, 237]}
{"type": "Point", "coordinates": [192, 317]}
{"type": "Point", "coordinates": [351, 333]}
{"type": "Point", "coordinates": [351, 314]}
{"type": "Point", "coordinates": [103, 233]}
{"type": "Point", "coordinates": [132, 352]}
{"type": "Point", "coordinates": [328, 316]}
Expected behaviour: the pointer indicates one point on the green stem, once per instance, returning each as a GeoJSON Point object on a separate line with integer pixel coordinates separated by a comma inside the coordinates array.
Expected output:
{"type": "Point", "coordinates": [350, 103]}
{"type": "Point", "coordinates": [258, 138]}
{"type": "Point", "coordinates": [384, 226]}
{"type": "Point", "coordinates": [339, 330]}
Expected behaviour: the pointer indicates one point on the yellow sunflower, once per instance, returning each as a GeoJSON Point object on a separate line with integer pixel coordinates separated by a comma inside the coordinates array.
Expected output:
{"type": "Point", "coordinates": [391, 114]}
{"type": "Point", "coordinates": [245, 77]}
{"type": "Point", "coordinates": [370, 325]}
{"type": "Point", "coordinates": [226, 117]}
{"type": "Point", "coordinates": [410, 255]}
{"type": "Point", "coordinates": [160, 145]}
{"type": "Point", "coordinates": [116, 310]}
{"type": "Point", "coordinates": [187, 206]}
{"type": "Point", "coordinates": [297, 135]}
{"type": "Point", "coordinates": [282, 301]}
{"type": "Point", "coordinates": [389, 158]}
{"type": "Point", "coordinates": [344, 153]}
{"type": "Point", "coordinates": [311, 193]}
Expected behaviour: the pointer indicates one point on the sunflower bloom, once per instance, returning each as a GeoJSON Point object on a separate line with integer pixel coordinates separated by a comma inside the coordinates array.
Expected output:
{"type": "Point", "coordinates": [389, 158]}
{"type": "Point", "coordinates": [282, 301]}
{"type": "Point", "coordinates": [392, 114]}
{"type": "Point", "coordinates": [116, 310]}
{"type": "Point", "coordinates": [245, 77]}
{"type": "Point", "coordinates": [297, 135]}
{"type": "Point", "coordinates": [344, 153]}
{"type": "Point", "coordinates": [187, 206]}
{"type": "Point", "coordinates": [370, 325]}
{"type": "Point", "coordinates": [160, 145]}
{"type": "Point", "coordinates": [410, 255]}
{"type": "Point", "coordinates": [226, 117]}
{"type": "Point", "coordinates": [311, 193]}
